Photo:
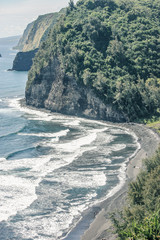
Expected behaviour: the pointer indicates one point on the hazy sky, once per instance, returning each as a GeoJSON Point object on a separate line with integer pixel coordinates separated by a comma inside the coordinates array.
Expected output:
{"type": "Point", "coordinates": [16, 14]}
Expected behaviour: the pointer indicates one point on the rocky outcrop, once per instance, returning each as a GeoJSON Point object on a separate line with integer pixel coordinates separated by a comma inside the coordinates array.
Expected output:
{"type": "Point", "coordinates": [0, 55]}
{"type": "Point", "coordinates": [53, 90]}
{"type": "Point", "coordinates": [23, 60]}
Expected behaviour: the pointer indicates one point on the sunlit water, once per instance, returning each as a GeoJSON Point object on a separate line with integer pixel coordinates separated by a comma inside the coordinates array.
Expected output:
{"type": "Point", "coordinates": [52, 167]}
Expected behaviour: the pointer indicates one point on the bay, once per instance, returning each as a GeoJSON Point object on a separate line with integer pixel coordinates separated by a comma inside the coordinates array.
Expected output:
{"type": "Point", "coordinates": [52, 167]}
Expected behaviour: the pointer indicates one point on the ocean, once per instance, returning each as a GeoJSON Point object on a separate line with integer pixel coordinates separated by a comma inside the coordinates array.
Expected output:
{"type": "Point", "coordinates": [52, 167]}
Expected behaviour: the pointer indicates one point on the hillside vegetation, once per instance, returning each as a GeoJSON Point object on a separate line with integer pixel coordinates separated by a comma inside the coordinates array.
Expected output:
{"type": "Point", "coordinates": [140, 219]}
{"type": "Point", "coordinates": [111, 46]}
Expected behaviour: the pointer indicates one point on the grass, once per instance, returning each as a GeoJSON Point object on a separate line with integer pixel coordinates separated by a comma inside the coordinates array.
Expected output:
{"type": "Point", "coordinates": [153, 122]}
{"type": "Point", "coordinates": [155, 125]}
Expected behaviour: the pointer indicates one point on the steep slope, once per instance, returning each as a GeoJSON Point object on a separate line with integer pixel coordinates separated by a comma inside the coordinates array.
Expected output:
{"type": "Point", "coordinates": [101, 53]}
{"type": "Point", "coordinates": [24, 37]}
{"type": "Point", "coordinates": [35, 33]}
{"type": "Point", "coordinates": [38, 30]}
{"type": "Point", "coordinates": [140, 217]}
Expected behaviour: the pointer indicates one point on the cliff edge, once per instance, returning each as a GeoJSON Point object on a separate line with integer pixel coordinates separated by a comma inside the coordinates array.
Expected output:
{"type": "Point", "coordinates": [100, 60]}
{"type": "Point", "coordinates": [56, 91]}
{"type": "Point", "coordinates": [34, 34]}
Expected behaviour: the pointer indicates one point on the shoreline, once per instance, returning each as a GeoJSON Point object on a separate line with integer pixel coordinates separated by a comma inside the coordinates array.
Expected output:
{"type": "Point", "coordinates": [95, 223]}
{"type": "Point", "coordinates": [101, 228]}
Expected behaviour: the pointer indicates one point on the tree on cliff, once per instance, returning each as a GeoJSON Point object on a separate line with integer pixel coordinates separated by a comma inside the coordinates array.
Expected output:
{"type": "Point", "coordinates": [111, 47]}
{"type": "Point", "coordinates": [140, 219]}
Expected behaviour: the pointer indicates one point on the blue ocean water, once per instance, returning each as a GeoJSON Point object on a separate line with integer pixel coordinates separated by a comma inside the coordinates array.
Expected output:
{"type": "Point", "coordinates": [52, 167]}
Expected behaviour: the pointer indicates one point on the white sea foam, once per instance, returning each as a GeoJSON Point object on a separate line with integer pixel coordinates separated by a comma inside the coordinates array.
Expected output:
{"type": "Point", "coordinates": [121, 173]}
{"type": "Point", "coordinates": [53, 226]}
{"type": "Point", "coordinates": [15, 104]}
{"type": "Point", "coordinates": [46, 116]}
{"type": "Point", "coordinates": [35, 114]}
{"type": "Point", "coordinates": [31, 163]}
{"type": "Point", "coordinates": [16, 194]}
{"type": "Point", "coordinates": [40, 167]}
{"type": "Point", "coordinates": [86, 179]}
{"type": "Point", "coordinates": [37, 168]}
{"type": "Point", "coordinates": [44, 228]}
{"type": "Point", "coordinates": [47, 135]}
{"type": "Point", "coordinates": [118, 147]}
{"type": "Point", "coordinates": [122, 179]}
{"type": "Point", "coordinates": [117, 131]}
{"type": "Point", "coordinates": [76, 144]}
{"type": "Point", "coordinates": [72, 123]}
{"type": "Point", "coordinates": [117, 157]}
{"type": "Point", "coordinates": [83, 141]}
{"type": "Point", "coordinates": [17, 191]}
{"type": "Point", "coordinates": [2, 159]}
{"type": "Point", "coordinates": [48, 168]}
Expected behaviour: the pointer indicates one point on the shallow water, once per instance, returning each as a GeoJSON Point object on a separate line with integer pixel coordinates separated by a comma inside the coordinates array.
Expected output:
{"type": "Point", "coordinates": [52, 167]}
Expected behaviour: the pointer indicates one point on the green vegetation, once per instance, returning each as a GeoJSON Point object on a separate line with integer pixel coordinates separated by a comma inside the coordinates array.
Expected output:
{"type": "Point", "coordinates": [111, 46]}
{"type": "Point", "coordinates": [140, 219]}
{"type": "Point", "coordinates": [153, 122]}
{"type": "Point", "coordinates": [155, 125]}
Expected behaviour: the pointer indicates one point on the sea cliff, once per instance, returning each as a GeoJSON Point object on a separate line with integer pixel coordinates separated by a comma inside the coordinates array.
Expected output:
{"type": "Point", "coordinates": [55, 91]}
{"type": "Point", "coordinates": [100, 61]}
{"type": "Point", "coordinates": [23, 60]}
{"type": "Point", "coordinates": [22, 41]}
{"type": "Point", "coordinates": [34, 34]}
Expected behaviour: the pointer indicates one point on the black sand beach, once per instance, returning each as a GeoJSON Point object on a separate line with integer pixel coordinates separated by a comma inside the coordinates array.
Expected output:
{"type": "Point", "coordinates": [97, 225]}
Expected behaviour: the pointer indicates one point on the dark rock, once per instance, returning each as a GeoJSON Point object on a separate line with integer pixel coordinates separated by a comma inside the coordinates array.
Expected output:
{"type": "Point", "coordinates": [23, 60]}
{"type": "Point", "coordinates": [55, 91]}
{"type": "Point", "coordinates": [0, 55]}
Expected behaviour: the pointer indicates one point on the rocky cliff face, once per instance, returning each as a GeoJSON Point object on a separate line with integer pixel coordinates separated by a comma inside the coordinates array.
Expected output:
{"type": "Point", "coordinates": [35, 33]}
{"type": "Point", "coordinates": [53, 90]}
{"type": "Point", "coordinates": [23, 60]}
{"type": "Point", "coordinates": [24, 37]}
{"type": "Point", "coordinates": [90, 64]}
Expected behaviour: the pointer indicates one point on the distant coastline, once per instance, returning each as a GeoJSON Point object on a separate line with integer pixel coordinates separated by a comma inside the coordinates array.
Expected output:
{"type": "Point", "coordinates": [11, 37]}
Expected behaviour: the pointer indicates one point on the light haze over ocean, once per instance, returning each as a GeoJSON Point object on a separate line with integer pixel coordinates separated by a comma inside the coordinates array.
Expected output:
{"type": "Point", "coordinates": [15, 15]}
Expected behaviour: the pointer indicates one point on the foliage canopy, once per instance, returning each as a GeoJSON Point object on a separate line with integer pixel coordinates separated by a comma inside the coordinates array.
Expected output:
{"type": "Point", "coordinates": [140, 219]}
{"type": "Point", "coordinates": [113, 47]}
